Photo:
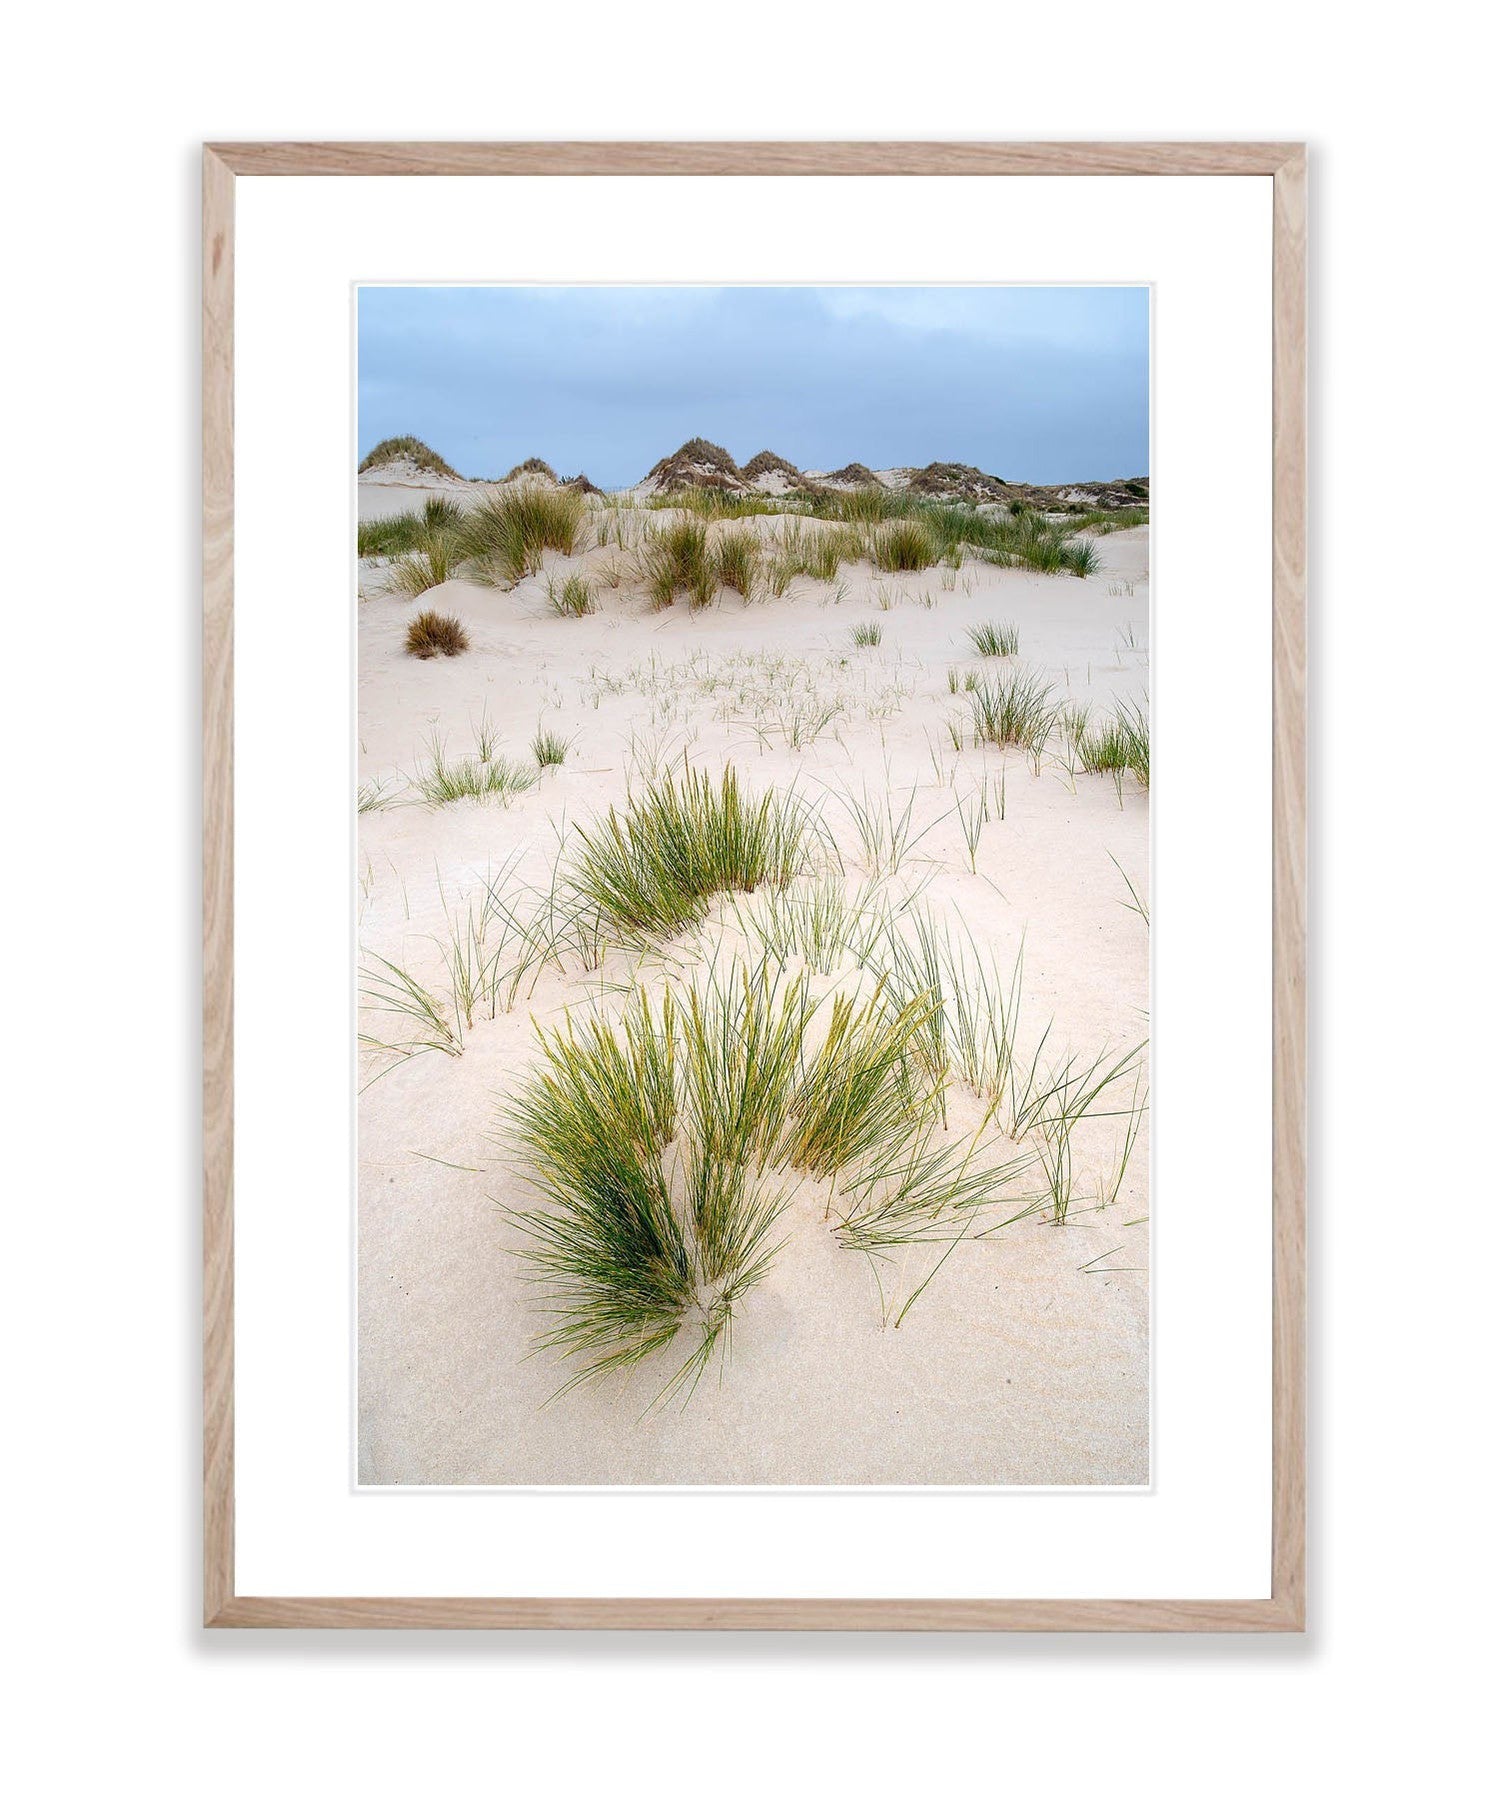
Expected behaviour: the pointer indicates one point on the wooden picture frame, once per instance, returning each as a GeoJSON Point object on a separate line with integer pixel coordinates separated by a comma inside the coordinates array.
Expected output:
{"type": "Point", "coordinates": [1285, 163]}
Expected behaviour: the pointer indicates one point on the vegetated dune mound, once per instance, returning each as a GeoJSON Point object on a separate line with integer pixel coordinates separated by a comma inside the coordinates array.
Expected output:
{"type": "Point", "coordinates": [961, 481]}
{"type": "Point", "coordinates": [768, 473]}
{"type": "Point", "coordinates": [532, 469]}
{"type": "Point", "coordinates": [406, 459]}
{"type": "Point", "coordinates": [700, 463]}
{"type": "Point", "coordinates": [958, 481]}
{"type": "Point", "coordinates": [852, 474]}
{"type": "Point", "coordinates": [697, 463]}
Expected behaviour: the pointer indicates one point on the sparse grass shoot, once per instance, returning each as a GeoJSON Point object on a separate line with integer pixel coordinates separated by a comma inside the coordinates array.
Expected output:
{"type": "Point", "coordinates": [570, 598]}
{"type": "Point", "coordinates": [550, 748]}
{"type": "Point", "coordinates": [440, 782]}
{"type": "Point", "coordinates": [995, 640]}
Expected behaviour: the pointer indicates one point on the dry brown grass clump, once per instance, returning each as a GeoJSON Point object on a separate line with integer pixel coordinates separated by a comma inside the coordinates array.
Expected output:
{"type": "Point", "coordinates": [435, 634]}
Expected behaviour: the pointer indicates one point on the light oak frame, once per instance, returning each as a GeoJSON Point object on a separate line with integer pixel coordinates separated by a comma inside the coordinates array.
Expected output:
{"type": "Point", "coordinates": [1285, 163]}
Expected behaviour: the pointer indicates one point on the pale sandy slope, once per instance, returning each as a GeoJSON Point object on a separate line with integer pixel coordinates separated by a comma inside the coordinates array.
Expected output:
{"type": "Point", "coordinates": [1016, 1365]}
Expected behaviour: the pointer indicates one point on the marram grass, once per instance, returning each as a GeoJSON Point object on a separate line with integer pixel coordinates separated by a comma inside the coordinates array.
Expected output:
{"type": "Point", "coordinates": [506, 535]}
{"type": "Point", "coordinates": [652, 868]}
{"type": "Point", "coordinates": [676, 559]}
{"type": "Point", "coordinates": [992, 639]}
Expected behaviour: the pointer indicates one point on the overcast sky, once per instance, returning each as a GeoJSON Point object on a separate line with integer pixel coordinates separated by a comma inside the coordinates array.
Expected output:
{"type": "Point", "coordinates": [1039, 384]}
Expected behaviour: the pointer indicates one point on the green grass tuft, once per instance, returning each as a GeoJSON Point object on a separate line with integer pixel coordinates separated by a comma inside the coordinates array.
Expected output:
{"type": "Point", "coordinates": [571, 598]}
{"type": "Point", "coordinates": [905, 545]}
{"type": "Point", "coordinates": [507, 534]}
{"type": "Point", "coordinates": [549, 748]}
{"type": "Point", "coordinates": [995, 640]}
{"type": "Point", "coordinates": [1016, 708]}
{"type": "Point", "coordinates": [440, 782]}
{"type": "Point", "coordinates": [736, 562]}
{"type": "Point", "coordinates": [652, 869]}
{"type": "Point", "coordinates": [677, 559]}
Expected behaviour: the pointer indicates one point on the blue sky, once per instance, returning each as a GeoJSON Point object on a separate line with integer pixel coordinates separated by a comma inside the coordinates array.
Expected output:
{"type": "Point", "coordinates": [1040, 384]}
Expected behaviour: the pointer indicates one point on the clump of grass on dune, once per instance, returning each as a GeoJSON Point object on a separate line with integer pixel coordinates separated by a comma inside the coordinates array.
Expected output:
{"type": "Point", "coordinates": [866, 635]}
{"type": "Point", "coordinates": [665, 1145]}
{"type": "Point", "coordinates": [429, 566]}
{"type": "Point", "coordinates": [1101, 523]}
{"type": "Point", "coordinates": [507, 534]}
{"type": "Point", "coordinates": [736, 562]}
{"type": "Point", "coordinates": [817, 920]}
{"type": "Point", "coordinates": [995, 640]}
{"type": "Point", "coordinates": [570, 598]}
{"type": "Point", "coordinates": [431, 528]}
{"type": "Point", "coordinates": [1121, 745]}
{"type": "Point", "coordinates": [677, 559]}
{"type": "Point", "coordinates": [1027, 540]}
{"type": "Point", "coordinates": [435, 634]}
{"type": "Point", "coordinates": [713, 503]}
{"type": "Point", "coordinates": [1013, 709]}
{"type": "Point", "coordinates": [917, 1189]}
{"type": "Point", "coordinates": [857, 1090]}
{"type": "Point", "coordinates": [549, 748]}
{"type": "Point", "coordinates": [867, 505]}
{"type": "Point", "coordinates": [440, 782]}
{"type": "Point", "coordinates": [594, 1123]}
{"type": "Point", "coordinates": [834, 547]}
{"type": "Point", "coordinates": [905, 545]}
{"type": "Point", "coordinates": [815, 550]}
{"type": "Point", "coordinates": [658, 1145]}
{"type": "Point", "coordinates": [390, 536]}
{"type": "Point", "coordinates": [652, 869]}
{"type": "Point", "coordinates": [1080, 557]}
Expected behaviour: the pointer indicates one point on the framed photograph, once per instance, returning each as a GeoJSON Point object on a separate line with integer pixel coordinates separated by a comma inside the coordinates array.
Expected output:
{"type": "Point", "coordinates": [732, 1098]}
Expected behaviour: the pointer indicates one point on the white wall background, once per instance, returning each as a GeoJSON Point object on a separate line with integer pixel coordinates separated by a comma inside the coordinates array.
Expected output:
{"type": "Point", "coordinates": [106, 107]}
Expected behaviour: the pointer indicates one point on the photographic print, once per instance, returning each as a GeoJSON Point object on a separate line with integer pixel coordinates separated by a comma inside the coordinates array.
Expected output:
{"type": "Point", "coordinates": [752, 886]}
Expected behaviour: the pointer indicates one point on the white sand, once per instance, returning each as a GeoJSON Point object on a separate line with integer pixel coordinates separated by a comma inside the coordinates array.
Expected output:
{"type": "Point", "coordinates": [1015, 1366]}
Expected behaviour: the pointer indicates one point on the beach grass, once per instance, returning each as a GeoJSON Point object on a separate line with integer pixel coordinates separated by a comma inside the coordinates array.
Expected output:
{"type": "Point", "coordinates": [1013, 709]}
{"type": "Point", "coordinates": [572, 597]}
{"type": "Point", "coordinates": [905, 545]}
{"type": "Point", "coordinates": [992, 639]}
{"type": "Point", "coordinates": [676, 559]}
{"type": "Point", "coordinates": [652, 868]}
{"type": "Point", "coordinates": [736, 562]}
{"type": "Point", "coordinates": [550, 748]}
{"type": "Point", "coordinates": [507, 534]}
{"type": "Point", "coordinates": [441, 782]}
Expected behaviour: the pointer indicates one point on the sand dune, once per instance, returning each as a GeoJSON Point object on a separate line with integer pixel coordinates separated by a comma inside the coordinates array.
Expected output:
{"type": "Point", "coordinates": [1026, 1359]}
